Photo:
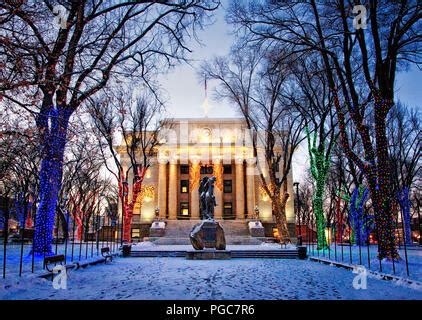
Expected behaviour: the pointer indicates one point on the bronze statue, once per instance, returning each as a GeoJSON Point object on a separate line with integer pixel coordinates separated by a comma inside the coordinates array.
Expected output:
{"type": "Point", "coordinates": [202, 190]}
{"type": "Point", "coordinates": [207, 198]}
{"type": "Point", "coordinates": [208, 233]}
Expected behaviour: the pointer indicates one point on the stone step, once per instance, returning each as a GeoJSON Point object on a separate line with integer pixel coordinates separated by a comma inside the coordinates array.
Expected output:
{"type": "Point", "coordinates": [182, 228]}
{"type": "Point", "coordinates": [239, 240]}
{"type": "Point", "coordinates": [151, 254]}
{"type": "Point", "coordinates": [263, 254]}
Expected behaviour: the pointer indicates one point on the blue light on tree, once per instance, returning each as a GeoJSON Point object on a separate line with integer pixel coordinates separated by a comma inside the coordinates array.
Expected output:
{"type": "Point", "coordinates": [405, 204]}
{"type": "Point", "coordinates": [361, 222]}
{"type": "Point", "coordinates": [56, 121]}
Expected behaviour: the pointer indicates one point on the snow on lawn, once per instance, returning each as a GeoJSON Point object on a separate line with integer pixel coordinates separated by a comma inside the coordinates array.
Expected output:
{"type": "Point", "coordinates": [150, 246]}
{"type": "Point", "coordinates": [85, 250]}
{"type": "Point", "coordinates": [354, 255]}
{"type": "Point", "coordinates": [178, 278]}
{"type": "Point", "coordinates": [73, 252]}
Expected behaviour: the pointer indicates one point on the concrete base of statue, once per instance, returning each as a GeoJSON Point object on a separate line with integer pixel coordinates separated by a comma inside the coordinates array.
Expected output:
{"type": "Point", "coordinates": [208, 234]}
{"type": "Point", "coordinates": [158, 229]}
{"type": "Point", "coordinates": [256, 229]}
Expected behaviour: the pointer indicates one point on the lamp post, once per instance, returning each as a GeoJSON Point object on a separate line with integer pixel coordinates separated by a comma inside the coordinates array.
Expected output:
{"type": "Point", "coordinates": [256, 212]}
{"type": "Point", "coordinates": [296, 184]}
{"type": "Point", "coordinates": [420, 228]}
{"type": "Point", "coordinates": [98, 222]}
{"type": "Point", "coordinates": [65, 199]}
{"type": "Point", "coordinates": [157, 214]}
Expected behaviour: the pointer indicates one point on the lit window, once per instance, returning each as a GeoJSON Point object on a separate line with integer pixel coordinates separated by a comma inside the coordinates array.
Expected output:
{"type": "Point", "coordinates": [228, 210]}
{"type": "Point", "coordinates": [184, 186]}
{"type": "Point", "coordinates": [184, 209]}
{"type": "Point", "coordinates": [136, 233]}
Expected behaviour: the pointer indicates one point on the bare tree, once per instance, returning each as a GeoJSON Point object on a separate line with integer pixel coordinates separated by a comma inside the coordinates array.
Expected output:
{"type": "Point", "coordinates": [404, 136]}
{"type": "Point", "coordinates": [51, 69]}
{"type": "Point", "coordinates": [19, 164]}
{"type": "Point", "coordinates": [255, 83]}
{"type": "Point", "coordinates": [361, 67]}
{"type": "Point", "coordinates": [138, 120]}
{"type": "Point", "coordinates": [83, 181]}
{"type": "Point", "coordinates": [313, 100]}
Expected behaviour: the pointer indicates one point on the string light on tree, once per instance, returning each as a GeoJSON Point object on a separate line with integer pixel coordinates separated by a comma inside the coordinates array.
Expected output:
{"type": "Point", "coordinates": [319, 171]}
{"type": "Point", "coordinates": [375, 167]}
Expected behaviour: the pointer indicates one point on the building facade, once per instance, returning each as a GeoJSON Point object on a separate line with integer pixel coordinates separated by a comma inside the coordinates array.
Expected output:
{"type": "Point", "coordinates": [191, 149]}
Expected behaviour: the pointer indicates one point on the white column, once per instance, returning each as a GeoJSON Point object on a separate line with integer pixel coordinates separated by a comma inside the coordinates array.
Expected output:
{"type": "Point", "coordinates": [250, 187]}
{"type": "Point", "coordinates": [173, 189]}
{"type": "Point", "coordinates": [162, 187]}
{"type": "Point", "coordinates": [240, 194]}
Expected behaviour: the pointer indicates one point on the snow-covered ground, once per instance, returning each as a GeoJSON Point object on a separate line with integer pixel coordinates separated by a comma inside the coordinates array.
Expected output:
{"type": "Point", "coordinates": [86, 250]}
{"type": "Point", "coordinates": [150, 246]}
{"type": "Point", "coordinates": [178, 278]}
{"type": "Point", "coordinates": [354, 255]}
{"type": "Point", "coordinates": [73, 252]}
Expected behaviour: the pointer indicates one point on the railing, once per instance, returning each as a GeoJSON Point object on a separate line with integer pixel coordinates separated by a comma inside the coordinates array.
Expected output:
{"type": "Point", "coordinates": [352, 254]}
{"type": "Point", "coordinates": [18, 258]}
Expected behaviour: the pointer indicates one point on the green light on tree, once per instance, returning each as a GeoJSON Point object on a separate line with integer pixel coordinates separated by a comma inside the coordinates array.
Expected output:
{"type": "Point", "coordinates": [320, 163]}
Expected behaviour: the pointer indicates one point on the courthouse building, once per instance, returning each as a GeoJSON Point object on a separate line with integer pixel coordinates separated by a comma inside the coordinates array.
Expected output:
{"type": "Point", "coordinates": [191, 149]}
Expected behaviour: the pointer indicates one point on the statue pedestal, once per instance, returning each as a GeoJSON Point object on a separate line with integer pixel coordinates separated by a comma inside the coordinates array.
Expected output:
{"type": "Point", "coordinates": [256, 229]}
{"type": "Point", "coordinates": [208, 234]}
{"type": "Point", "coordinates": [208, 254]}
{"type": "Point", "coordinates": [158, 229]}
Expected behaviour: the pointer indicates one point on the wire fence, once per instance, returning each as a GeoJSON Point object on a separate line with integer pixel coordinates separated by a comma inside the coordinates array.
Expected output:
{"type": "Point", "coordinates": [77, 240]}
{"type": "Point", "coordinates": [341, 247]}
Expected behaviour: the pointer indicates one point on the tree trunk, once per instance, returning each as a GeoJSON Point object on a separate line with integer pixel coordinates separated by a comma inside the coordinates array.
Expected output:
{"type": "Point", "coordinates": [128, 215]}
{"type": "Point", "coordinates": [279, 211]}
{"type": "Point", "coordinates": [51, 171]}
{"type": "Point", "coordinates": [128, 207]}
{"type": "Point", "coordinates": [381, 188]}
{"type": "Point", "coordinates": [318, 208]}
{"type": "Point", "coordinates": [127, 223]}
{"type": "Point", "coordinates": [50, 184]}
{"type": "Point", "coordinates": [63, 223]}
{"type": "Point", "coordinates": [384, 220]}
{"type": "Point", "coordinates": [339, 218]}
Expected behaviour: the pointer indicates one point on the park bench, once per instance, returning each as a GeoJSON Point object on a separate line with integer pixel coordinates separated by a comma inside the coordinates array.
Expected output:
{"type": "Point", "coordinates": [105, 252]}
{"type": "Point", "coordinates": [53, 260]}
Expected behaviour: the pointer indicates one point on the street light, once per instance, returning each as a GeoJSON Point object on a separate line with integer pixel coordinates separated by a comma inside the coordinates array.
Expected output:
{"type": "Point", "coordinates": [64, 208]}
{"type": "Point", "coordinates": [256, 212]}
{"type": "Point", "coordinates": [296, 184]}
{"type": "Point", "coordinates": [100, 221]}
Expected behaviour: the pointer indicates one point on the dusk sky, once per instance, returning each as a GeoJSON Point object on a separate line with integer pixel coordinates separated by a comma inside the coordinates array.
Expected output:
{"type": "Point", "coordinates": [186, 90]}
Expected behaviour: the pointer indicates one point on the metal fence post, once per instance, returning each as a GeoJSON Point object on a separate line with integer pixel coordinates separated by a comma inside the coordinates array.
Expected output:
{"type": "Point", "coordinates": [6, 235]}
{"type": "Point", "coordinates": [23, 233]}
{"type": "Point", "coordinates": [404, 242]}
{"type": "Point", "coordinates": [66, 236]}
